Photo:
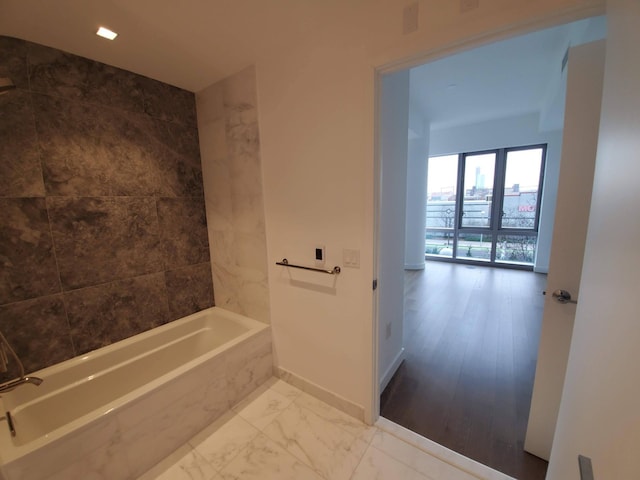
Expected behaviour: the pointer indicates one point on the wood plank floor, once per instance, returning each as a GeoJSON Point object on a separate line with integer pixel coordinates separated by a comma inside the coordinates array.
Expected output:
{"type": "Point", "coordinates": [471, 341]}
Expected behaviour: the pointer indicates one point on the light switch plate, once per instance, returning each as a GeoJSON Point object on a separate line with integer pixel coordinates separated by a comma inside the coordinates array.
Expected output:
{"type": "Point", "coordinates": [351, 258]}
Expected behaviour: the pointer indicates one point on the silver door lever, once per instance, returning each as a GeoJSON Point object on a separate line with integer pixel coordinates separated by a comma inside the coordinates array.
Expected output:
{"type": "Point", "coordinates": [562, 296]}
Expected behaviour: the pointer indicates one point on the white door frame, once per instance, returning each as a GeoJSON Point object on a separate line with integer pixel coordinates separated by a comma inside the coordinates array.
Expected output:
{"type": "Point", "coordinates": [572, 14]}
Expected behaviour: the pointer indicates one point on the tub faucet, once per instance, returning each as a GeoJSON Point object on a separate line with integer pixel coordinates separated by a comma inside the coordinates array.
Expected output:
{"type": "Point", "coordinates": [7, 387]}
{"type": "Point", "coordinates": [5, 348]}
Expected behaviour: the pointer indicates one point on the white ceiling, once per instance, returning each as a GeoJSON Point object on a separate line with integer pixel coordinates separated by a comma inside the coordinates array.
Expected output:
{"type": "Point", "coordinates": [514, 77]}
{"type": "Point", "coordinates": [194, 43]}
{"type": "Point", "coordinates": [187, 43]}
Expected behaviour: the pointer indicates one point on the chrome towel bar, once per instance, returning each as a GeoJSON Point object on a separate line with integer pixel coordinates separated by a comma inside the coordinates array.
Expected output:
{"type": "Point", "coordinates": [285, 263]}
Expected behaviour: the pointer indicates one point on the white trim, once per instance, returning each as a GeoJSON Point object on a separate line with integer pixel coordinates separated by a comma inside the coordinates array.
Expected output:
{"type": "Point", "coordinates": [414, 266]}
{"type": "Point", "coordinates": [388, 375]}
{"type": "Point", "coordinates": [372, 410]}
{"type": "Point", "coordinates": [543, 269]}
{"type": "Point", "coordinates": [440, 452]}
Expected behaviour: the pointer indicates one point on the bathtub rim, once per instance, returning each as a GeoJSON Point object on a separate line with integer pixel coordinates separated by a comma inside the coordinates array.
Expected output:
{"type": "Point", "coordinates": [10, 452]}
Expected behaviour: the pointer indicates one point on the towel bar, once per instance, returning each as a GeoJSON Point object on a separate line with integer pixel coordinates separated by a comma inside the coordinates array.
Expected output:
{"type": "Point", "coordinates": [285, 263]}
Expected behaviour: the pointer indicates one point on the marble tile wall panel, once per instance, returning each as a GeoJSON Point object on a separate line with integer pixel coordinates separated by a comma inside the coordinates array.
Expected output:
{"type": "Point", "coordinates": [114, 153]}
{"type": "Point", "coordinates": [106, 313]}
{"type": "Point", "coordinates": [75, 158]}
{"type": "Point", "coordinates": [61, 74]}
{"type": "Point", "coordinates": [183, 223]}
{"type": "Point", "coordinates": [20, 169]}
{"type": "Point", "coordinates": [175, 153]}
{"type": "Point", "coordinates": [98, 240]}
{"type": "Point", "coordinates": [189, 289]}
{"type": "Point", "coordinates": [168, 103]}
{"type": "Point", "coordinates": [245, 376]}
{"type": "Point", "coordinates": [108, 150]}
{"type": "Point", "coordinates": [13, 60]}
{"type": "Point", "coordinates": [26, 250]}
{"type": "Point", "coordinates": [37, 330]}
{"type": "Point", "coordinates": [230, 146]}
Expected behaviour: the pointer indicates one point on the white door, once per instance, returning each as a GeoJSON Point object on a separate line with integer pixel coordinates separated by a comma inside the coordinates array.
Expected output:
{"type": "Point", "coordinates": [600, 408]}
{"type": "Point", "coordinates": [579, 144]}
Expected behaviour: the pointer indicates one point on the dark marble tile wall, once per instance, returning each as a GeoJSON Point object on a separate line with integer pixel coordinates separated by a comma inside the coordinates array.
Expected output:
{"type": "Point", "coordinates": [103, 229]}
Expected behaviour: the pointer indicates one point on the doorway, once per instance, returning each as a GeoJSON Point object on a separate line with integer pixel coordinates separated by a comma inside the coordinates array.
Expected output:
{"type": "Point", "coordinates": [489, 223]}
{"type": "Point", "coordinates": [467, 378]}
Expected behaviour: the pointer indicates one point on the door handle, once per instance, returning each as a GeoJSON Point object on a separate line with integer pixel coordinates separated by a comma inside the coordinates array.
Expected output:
{"type": "Point", "coordinates": [562, 296]}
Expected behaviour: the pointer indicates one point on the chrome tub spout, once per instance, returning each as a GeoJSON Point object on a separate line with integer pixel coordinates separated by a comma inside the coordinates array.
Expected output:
{"type": "Point", "coordinates": [7, 387]}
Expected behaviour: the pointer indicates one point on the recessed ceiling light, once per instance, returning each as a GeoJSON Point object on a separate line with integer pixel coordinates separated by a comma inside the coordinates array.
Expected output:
{"type": "Point", "coordinates": [106, 33]}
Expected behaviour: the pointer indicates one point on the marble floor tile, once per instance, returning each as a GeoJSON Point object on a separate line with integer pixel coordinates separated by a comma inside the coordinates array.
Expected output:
{"type": "Point", "coordinates": [379, 466]}
{"type": "Point", "coordinates": [281, 433]}
{"type": "Point", "coordinates": [284, 388]}
{"type": "Point", "coordinates": [262, 406]}
{"type": "Point", "coordinates": [183, 464]}
{"type": "Point", "coordinates": [223, 440]}
{"type": "Point", "coordinates": [320, 444]}
{"type": "Point", "coordinates": [337, 417]}
{"type": "Point", "coordinates": [263, 459]}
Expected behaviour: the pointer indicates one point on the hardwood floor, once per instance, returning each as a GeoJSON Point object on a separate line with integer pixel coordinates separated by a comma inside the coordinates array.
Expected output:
{"type": "Point", "coordinates": [471, 339]}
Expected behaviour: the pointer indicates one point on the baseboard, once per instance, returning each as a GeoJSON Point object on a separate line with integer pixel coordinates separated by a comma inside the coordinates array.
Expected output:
{"type": "Point", "coordinates": [388, 375]}
{"type": "Point", "coordinates": [414, 266]}
{"type": "Point", "coordinates": [333, 399]}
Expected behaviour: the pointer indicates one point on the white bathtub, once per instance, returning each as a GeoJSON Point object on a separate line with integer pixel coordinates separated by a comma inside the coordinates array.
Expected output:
{"type": "Point", "coordinates": [116, 411]}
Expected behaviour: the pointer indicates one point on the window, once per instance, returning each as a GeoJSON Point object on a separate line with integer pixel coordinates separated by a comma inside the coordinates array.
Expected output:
{"type": "Point", "coordinates": [484, 206]}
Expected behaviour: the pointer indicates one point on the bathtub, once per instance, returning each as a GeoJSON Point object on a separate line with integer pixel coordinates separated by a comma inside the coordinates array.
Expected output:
{"type": "Point", "coordinates": [115, 412]}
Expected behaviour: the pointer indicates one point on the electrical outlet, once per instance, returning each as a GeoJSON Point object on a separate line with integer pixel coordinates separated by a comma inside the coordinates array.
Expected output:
{"type": "Point", "coordinates": [387, 332]}
{"type": "Point", "coordinates": [466, 5]}
{"type": "Point", "coordinates": [351, 258]}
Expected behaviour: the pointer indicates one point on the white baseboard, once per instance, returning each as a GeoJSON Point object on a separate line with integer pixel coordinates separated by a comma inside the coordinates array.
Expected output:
{"type": "Point", "coordinates": [333, 399]}
{"type": "Point", "coordinates": [386, 378]}
{"type": "Point", "coordinates": [414, 266]}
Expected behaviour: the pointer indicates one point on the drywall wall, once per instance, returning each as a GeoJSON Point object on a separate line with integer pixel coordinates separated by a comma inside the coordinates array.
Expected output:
{"type": "Point", "coordinates": [599, 415]}
{"type": "Point", "coordinates": [394, 125]}
{"type": "Point", "coordinates": [316, 100]}
{"type": "Point", "coordinates": [511, 132]}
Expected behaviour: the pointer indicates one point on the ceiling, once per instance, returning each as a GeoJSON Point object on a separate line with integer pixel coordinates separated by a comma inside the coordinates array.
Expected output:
{"type": "Point", "coordinates": [514, 77]}
{"type": "Point", "coordinates": [187, 43]}
{"type": "Point", "coordinates": [194, 43]}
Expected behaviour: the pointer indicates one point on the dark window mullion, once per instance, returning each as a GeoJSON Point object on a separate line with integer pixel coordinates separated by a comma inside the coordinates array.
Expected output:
{"type": "Point", "coordinates": [459, 201]}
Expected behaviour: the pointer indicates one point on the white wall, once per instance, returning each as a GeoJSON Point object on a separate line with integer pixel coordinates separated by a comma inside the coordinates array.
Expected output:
{"type": "Point", "coordinates": [599, 415]}
{"type": "Point", "coordinates": [316, 102]}
{"type": "Point", "coordinates": [511, 132]}
{"type": "Point", "coordinates": [394, 126]}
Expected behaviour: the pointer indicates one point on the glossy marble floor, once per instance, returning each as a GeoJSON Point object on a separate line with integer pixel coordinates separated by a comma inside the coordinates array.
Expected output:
{"type": "Point", "coordinates": [280, 432]}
